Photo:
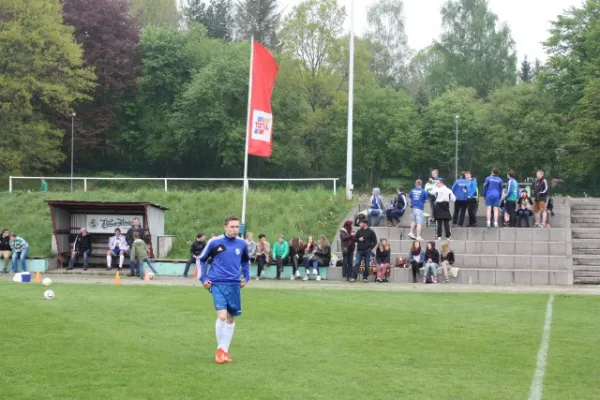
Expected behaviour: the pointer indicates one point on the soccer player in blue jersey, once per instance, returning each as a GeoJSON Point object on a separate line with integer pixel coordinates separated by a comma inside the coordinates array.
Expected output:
{"type": "Point", "coordinates": [230, 260]}
{"type": "Point", "coordinates": [492, 192]}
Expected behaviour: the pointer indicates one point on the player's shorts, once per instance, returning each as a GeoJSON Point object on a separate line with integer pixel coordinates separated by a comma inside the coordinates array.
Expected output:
{"type": "Point", "coordinates": [539, 206]}
{"type": "Point", "coordinates": [492, 201]}
{"type": "Point", "coordinates": [417, 215]}
{"type": "Point", "coordinates": [227, 297]}
{"type": "Point", "coordinates": [116, 251]}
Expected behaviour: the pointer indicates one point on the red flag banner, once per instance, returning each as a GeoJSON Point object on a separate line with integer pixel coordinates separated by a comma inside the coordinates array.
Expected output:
{"type": "Point", "coordinates": [264, 72]}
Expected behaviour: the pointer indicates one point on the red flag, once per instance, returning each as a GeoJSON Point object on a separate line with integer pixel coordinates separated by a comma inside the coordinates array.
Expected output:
{"type": "Point", "coordinates": [264, 72]}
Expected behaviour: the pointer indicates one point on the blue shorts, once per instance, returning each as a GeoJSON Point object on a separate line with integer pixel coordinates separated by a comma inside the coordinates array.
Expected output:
{"type": "Point", "coordinates": [417, 215]}
{"type": "Point", "coordinates": [227, 297]}
{"type": "Point", "coordinates": [492, 201]}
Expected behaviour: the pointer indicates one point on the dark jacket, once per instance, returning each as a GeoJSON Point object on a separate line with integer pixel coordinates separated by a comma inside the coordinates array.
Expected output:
{"type": "Point", "coordinates": [449, 257]}
{"type": "Point", "coordinates": [347, 240]}
{"type": "Point", "coordinates": [365, 239]}
{"type": "Point", "coordinates": [433, 254]}
{"type": "Point", "coordinates": [83, 244]}
{"type": "Point", "coordinates": [322, 256]}
{"type": "Point", "coordinates": [129, 235]}
{"type": "Point", "coordinates": [4, 243]}
{"type": "Point", "coordinates": [540, 190]}
{"type": "Point", "coordinates": [197, 248]}
{"type": "Point", "coordinates": [382, 257]}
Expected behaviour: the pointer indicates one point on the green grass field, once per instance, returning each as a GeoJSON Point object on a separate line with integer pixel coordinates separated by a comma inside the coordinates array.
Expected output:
{"type": "Point", "coordinates": [157, 342]}
{"type": "Point", "coordinates": [290, 212]}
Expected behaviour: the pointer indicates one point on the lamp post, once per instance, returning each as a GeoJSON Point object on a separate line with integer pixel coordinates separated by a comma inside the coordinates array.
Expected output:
{"type": "Point", "coordinates": [349, 186]}
{"type": "Point", "coordinates": [456, 118]}
{"type": "Point", "coordinates": [73, 115]}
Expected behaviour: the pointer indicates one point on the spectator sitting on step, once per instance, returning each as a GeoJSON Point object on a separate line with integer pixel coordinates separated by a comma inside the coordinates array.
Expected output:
{"type": "Point", "coordinates": [140, 254]}
{"type": "Point", "coordinates": [281, 250]}
{"type": "Point", "coordinates": [376, 207]}
{"type": "Point", "coordinates": [5, 250]}
{"type": "Point", "coordinates": [432, 261]}
{"type": "Point", "coordinates": [416, 255]}
{"type": "Point", "coordinates": [296, 255]}
{"type": "Point", "coordinates": [308, 250]}
{"type": "Point", "coordinates": [117, 246]}
{"type": "Point", "coordinates": [195, 251]}
{"type": "Point", "coordinates": [20, 249]}
{"type": "Point", "coordinates": [251, 247]}
{"type": "Point", "coordinates": [263, 250]}
{"type": "Point", "coordinates": [524, 208]}
{"type": "Point", "coordinates": [382, 258]}
{"type": "Point", "coordinates": [399, 205]}
{"type": "Point", "coordinates": [82, 247]}
{"type": "Point", "coordinates": [447, 260]}
{"type": "Point", "coordinates": [320, 258]}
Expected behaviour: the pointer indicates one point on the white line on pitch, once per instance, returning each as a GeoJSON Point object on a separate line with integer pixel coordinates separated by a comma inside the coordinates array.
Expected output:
{"type": "Point", "coordinates": [535, 393]}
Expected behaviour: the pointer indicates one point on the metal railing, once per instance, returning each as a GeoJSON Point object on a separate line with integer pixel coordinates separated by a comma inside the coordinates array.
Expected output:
{"type": "Point", "coordinates": [166, 180]}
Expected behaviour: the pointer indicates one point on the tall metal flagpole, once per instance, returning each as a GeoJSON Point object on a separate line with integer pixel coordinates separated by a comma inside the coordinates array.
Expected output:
{"type": "Point", "coordinates": [349, 186]}
{"type": "Point", "coordinates": [248, 123]}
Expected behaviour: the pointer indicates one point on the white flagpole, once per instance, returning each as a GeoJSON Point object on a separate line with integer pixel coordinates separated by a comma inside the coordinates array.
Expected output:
{"type": "Point", "coordinates": [349, 186]}
{"type": "Point", "coordinates": [248, 123]}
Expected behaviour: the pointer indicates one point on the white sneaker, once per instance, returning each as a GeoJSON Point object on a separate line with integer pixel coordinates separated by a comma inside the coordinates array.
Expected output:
{"type": "Point", "coordinates": [258, 278]}
{"type": "Point", "coordinates": [292, 278]}
{"type": "Point", "coordinates": [419, 238]}
{"type": "Point", "coordinates": [315, 271]}
{"type": "Point", "coordinates": [305, 278]}
{"type": "Point", "coordinates": [297, 274]}
{"type": "Point", "coordinates": [318, 277]}
{"type": "Point", "coordinates": [412, 236]}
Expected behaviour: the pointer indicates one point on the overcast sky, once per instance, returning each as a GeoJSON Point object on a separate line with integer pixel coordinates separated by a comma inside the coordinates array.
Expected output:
{"type": "Point", "coordinates": [529, 20]}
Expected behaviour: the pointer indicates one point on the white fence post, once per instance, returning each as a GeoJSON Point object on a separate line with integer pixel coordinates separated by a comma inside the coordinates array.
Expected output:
{"type": "Point", "coordinates": [10, 184]}
{"type": "Point", "coordinates": [166, 185]}
{"type": "Point", "coordinates": [85, 184]}
{"type": "Point", "coordinates": [334, 186]}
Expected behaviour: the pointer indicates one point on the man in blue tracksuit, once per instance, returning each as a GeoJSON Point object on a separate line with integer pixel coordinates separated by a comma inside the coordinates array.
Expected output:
{"type": "Point", "coordinates": [512, 195]}
{"type": "Point", "coordinates": [459, 188]}
{"type": "Point", "coordinates": [472, 198]}
{"type": "Point", "coordinates": [229, 260]}
{"type": "Point", "coordinates": [492, 192]}
{"type": "Point", "coordinates": [398, 208]}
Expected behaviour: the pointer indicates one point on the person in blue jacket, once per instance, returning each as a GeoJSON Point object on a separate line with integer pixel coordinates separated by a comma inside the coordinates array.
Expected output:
{"type": "Point", "coordinates": [492, 192]}
{"type": "Point", "coordinates": [472, 198]}
{"type": "Point", "coordinates": [229, 261]}
{"type": "Point", "coordinates": [459, 188]}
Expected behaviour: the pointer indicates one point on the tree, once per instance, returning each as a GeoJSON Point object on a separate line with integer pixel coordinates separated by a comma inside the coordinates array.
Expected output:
{"type": "Point", "coordinates": [526, 74]}
{"type": "Point", "coordinates": [157, 12]}
{"type": "Point", "coordinates": [215, 16]}
{"type": "Point", "coordinates": [258, 18]}
{"type": "Point", "coordinates": [475, 51]}
{"type": "Point", "coordinates": [41, 74]}
{"type": "Point", "coordinates": [109, 35]}
{"type": "Point", "coordinates": [388, 42]}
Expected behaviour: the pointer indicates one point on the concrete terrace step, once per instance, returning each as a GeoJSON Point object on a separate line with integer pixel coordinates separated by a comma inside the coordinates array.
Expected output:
{"type": "Point", "coordinates": [585, 233]}
{"type": "Point", "coordinates": [588, 275]}
{"type": "Point", "coordinates": [496, 277]}
{"type": "Point", "coordinates": [587, 252]}
{"type": "Point", "coordinates": [491, 247]}
{"type": "Point", "coordinates": [584, 259]}
{"type": "Point", "coordinates": [576, 212]}
{"type": "Point", "coordinates": [585, 244]}
{"type": "Point", "coordinates": [502, 261]}
{"type": "Point", "coordinates": [482, 234]}
{"type": "Point", "coordinates": [585, 219]}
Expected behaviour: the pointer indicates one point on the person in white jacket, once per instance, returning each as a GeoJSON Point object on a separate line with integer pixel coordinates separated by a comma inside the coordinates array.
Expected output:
{"type": "Point", "coordinates": [441, 213]}
{"type": "Point", "coordinates": [117, 246]}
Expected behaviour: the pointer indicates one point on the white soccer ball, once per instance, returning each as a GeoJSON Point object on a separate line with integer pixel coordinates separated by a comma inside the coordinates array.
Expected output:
{"type": "Point", "coordinates": [47, 282]}
{"type": "Point", "coordinates": [49, 294]}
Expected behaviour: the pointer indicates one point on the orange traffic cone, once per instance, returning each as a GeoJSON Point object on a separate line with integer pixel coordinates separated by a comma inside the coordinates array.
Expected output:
{"type": "Point", "coordinates": [194, 273]}
{"type": "Point", "coordinates": [146, 275]}
{"type": "Point", "coordinates": [117, 279]}
{"type": "Point", "coordinates": [38, 279]}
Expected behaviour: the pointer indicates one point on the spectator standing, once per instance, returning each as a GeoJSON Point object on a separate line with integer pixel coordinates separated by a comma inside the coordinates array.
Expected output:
{"type": "Point", "coordinates": [447, 260]}
{"type": "Point", "coordinates": [472, 198]}
{"type": "Point", "coordinates": [82, 247]}
{"type": "Point", "coordinates": [376, 207]}
{"type": "Point", "coordinates": [460, 190]}
{"type": "Point", "coordinates": [195, 251]}
{"type": "Point", "coordinates": [140, 254]}
{"type": "Point", "coordinates": [296, 254]}
{"type": "Point", "coordinates": [432, 184]}
{"type": "Point", "coordinates": [417, 197]}
{"type": "Point", "coordinates": [44, 186]}
{"type": "Point", "coordinates": [492, 192]}
{"type": "Point", "coordinates": [135, 227]}
{"type": "Point", "coordinates": [512, 195]}
{"type": "Point", "coordinates": [263, 250]}
{"type": "Point", "coordinates": [347, 241]}
{"type": "Point", "coordinates": [416, 255]}
{"type": "Point", "coordinates": [5, 250]}
{"type": "Point", "coordinates": [382, 258]}
{"type": "Point", "coordinates": [20, 250]}
{"type": "Point", "coordinates": [432, 261]}
{"type": "Point", "coordinates": [399, 205]}
{"type": "Point", "coordinates": [524, 208]}
{"type": "Point", "coordinates": [540, 192]}
{"type": "Point", "coordinates": [366, 240]}
{"type": "Point", "coordinates": [443, 197]}
{"type": "Point", "coordinates": [281, 249]}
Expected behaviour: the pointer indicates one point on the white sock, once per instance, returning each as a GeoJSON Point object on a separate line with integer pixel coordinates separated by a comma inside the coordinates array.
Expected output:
{"type": "Point", "coordinates": [227, 335]}
{"type": "Point", "coordinates": [108, 261]}
{"type": "Point", "coordinates": [220, 332]}
{"type": "Point", "coordinates": [488, 222]}
{"type": "Point", "coordinates": [121, 259]}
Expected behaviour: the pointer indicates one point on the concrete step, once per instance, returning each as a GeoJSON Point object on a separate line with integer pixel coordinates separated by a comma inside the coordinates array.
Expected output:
{"type": "Point", "coordinates": [587, 275]}
{"type": "Point", "coordinates": [582, 259]}
{"type": "Point", "coordinates": [586, 251]}
{"type": "Point", "coordinates": [585, 219]}
{"type": "Point", "coordinates": [585, 225]}
{"type": "Point", "coordinates": [585, 244]}
{"type": "Point", "coordinates": [585, 212]}
{"type": "Point", "coordinates": [585, 233]}
{"type": "Point", "coordinates": [481, 234]}
{"type": "Point", "coordinates": [490, 247]}
{"type": "Point", "coordinates": [476, 276]}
